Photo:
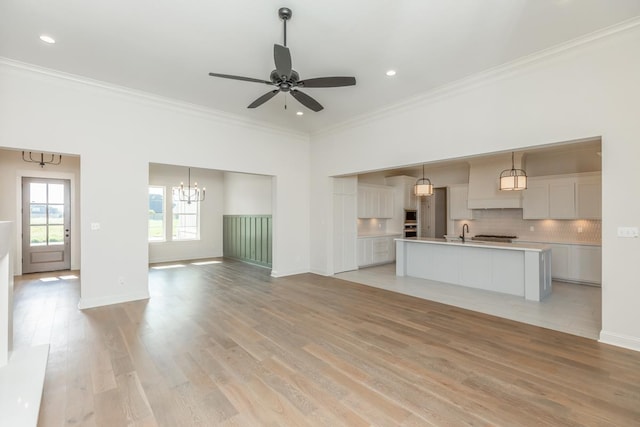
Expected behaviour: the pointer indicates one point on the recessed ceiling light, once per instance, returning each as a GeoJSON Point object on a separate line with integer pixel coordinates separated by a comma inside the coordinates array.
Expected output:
{"type": "Point", "coordinates": [47, 39]}
{"type": "Point", "coordinates": [391, 73]}
{"type": "Point", "coordinates": [300, 113]}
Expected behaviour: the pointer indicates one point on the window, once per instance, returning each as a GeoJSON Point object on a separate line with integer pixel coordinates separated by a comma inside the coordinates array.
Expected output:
{"type": "Point", "coordinates": [156, 214]}
{"type": "Point", "coordinates": [46, 218]}
{"type": "Point", "coordinates": [186, 218]}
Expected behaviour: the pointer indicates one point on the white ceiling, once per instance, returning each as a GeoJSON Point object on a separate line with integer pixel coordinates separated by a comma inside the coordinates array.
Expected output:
{"type": "Point", "coordinates": [167, 47]}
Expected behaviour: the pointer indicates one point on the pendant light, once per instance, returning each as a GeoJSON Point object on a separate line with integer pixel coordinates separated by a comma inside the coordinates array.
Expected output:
{"type": "Point", "coordinates": [513, 179]}
{"type": "Point", "coordinates": [190, 195]}
{"type": "Point", "coordinates": [423, 186]}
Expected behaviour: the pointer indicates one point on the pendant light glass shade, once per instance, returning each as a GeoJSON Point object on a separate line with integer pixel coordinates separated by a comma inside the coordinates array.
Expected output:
{"type": "Point", "coordinates": [423, 186]}
{"type": "Point", "coordinates": [513, 179]}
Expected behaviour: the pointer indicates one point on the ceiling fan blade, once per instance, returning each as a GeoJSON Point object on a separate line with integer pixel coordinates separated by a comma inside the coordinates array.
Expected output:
{"type": "Point", "coordinates": [246, 79]}
{"type": "Point", "coordinates": [328, 82]}
{"type": "Point", "coordinates": [306, 100]}
{"type": "Point", "coordinates": [282, 58]}
{"type": "Point", "coordinates": [264, 98]}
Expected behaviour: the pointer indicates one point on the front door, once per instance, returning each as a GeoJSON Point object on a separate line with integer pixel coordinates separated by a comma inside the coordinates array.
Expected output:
{"type": "Point", "coordinates": [46, 225]}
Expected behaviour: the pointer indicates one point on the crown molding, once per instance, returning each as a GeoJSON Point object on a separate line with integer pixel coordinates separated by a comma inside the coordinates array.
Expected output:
{"type": "Point", "coordinates": [480, 79]}
{"type": "Point", "coordinates": [152, 99]}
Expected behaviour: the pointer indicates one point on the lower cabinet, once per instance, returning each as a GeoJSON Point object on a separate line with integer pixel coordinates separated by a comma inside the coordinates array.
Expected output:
{"type": "Point", "coordinates": [376, 250]}
{"type": "Point", "coordinates": [576, 263]}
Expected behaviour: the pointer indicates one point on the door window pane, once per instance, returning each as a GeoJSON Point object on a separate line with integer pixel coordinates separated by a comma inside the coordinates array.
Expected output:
{"type": "Point", "coordinates": [56, 214]}
{"type": "Point", "coordinates": [56, 234]}
{"type": "Point", "coordinates": [38, 192]}
{"type": "Point", "coordinates": [156, 214]}
{"type": "Point", "coordinates": [56, 193]}
{"type": "Point", "coordinates": [38, 214]}
{"type": "Point", "coordinates": [38, 235]}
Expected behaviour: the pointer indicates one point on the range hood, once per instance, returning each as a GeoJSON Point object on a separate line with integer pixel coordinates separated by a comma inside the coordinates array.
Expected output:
{"type": "Point", "coordinates": [484, 181]}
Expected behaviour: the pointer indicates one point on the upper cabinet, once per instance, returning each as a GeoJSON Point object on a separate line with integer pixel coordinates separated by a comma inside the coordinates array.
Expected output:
{"type": "Point", "coordinates": [563, 197]}
{"type": "Point", "coordinates": [458, 207]}
{"type": "Point", "coordinates": [375, 201]}
{"type": "Point", "coordinates": [403, 188]}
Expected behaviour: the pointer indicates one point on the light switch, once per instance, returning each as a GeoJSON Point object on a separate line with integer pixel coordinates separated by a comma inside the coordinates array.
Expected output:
{"type": "Point", "coordinates": [95, 226]}
{"type": "Point", "coordinates": [628, 232]}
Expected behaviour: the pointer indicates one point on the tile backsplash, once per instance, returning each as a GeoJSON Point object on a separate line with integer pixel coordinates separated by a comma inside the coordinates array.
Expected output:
{"type": "Point", "coordinates": [371, 226]}
{"type": "Point", "coordinates": [510, 222]}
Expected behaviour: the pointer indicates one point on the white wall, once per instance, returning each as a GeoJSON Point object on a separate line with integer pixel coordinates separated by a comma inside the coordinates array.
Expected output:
{"type": "Point", "coordinates": [210, 243]}
{"type": "Point", "coordinates": [586, 91]}
{"type": "Point", "coordinates": [117, 134]}
{"type": "Point", "coordinates": [12, 170]}
{"type": "Point", "coordinates": [247, 194]}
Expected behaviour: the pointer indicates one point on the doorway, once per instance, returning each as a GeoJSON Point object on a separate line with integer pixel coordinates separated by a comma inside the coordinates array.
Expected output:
{"type": "Point", "coordinates": [432, 214]}
{"type": "Point", "coordinates": [46, 224]}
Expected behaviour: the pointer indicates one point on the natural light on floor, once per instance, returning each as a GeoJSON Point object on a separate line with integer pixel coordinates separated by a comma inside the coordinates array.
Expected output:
{"type": "Point", "coordinates": [49, 279]}
{"type": "Point", "coordinates": [166, 267]}
{"type": "Point", "coordinates": [69, 277]}
{"type": "Point", "coordinates": [206, 262]}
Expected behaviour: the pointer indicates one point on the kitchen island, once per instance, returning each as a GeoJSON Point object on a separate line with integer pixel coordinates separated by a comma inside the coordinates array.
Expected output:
{"type": "Point", "coordinates": [510, 268]}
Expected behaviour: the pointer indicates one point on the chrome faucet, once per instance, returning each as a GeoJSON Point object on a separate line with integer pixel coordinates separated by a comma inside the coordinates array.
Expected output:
{"type": "Point", "coordinates": [463, 227]}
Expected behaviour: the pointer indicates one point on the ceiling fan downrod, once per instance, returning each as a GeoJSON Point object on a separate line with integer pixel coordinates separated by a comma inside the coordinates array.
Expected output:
{"type": "Point", "coordinates": [285, 14]}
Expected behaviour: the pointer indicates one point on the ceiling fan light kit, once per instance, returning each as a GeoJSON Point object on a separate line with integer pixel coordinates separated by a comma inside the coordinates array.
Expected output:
{"type": "Point", "coordinates": [285, 79]}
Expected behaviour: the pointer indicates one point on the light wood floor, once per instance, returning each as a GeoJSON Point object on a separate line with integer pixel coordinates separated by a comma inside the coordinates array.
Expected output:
{"type": "Point", "coordinates": [226, 344]}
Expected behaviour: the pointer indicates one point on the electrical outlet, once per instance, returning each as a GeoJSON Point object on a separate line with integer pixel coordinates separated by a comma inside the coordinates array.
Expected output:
{"type": "Point", "coordinates": [532, 228]}
{"type": "Point", "coordinates": [121, 281]}
{"type": "Point", "coordinates": [95, 226]}
{"type": "Point", "coordinates": [628, 232]}
{"type": "Point", "coordinates": [579, 229]}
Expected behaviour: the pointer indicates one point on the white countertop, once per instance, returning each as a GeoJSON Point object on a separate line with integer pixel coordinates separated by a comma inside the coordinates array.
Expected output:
{"type": "Point", "coordinates": [478, 244]}
{"type": "Point", "coordinates": [527, 241]}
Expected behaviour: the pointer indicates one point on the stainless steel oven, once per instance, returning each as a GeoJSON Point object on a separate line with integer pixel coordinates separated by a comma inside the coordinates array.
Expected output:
{"type": "Point", "coordinates": [410, 230]}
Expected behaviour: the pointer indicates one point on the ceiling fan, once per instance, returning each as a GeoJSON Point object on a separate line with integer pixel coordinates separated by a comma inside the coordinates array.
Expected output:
{"type": "Point", "coordinates": [285, 79]}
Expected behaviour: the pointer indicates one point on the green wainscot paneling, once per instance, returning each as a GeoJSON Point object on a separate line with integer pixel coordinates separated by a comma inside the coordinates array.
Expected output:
{"type": "Point", "coordinates": [248, 238]}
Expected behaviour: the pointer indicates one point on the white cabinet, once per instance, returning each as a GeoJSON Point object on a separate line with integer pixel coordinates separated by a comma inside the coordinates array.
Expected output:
{"type": "Point", "coordinates": [375, 201]}
{"type": "Point", "coordinates": [458, 202]}
{"type": "Point", "coordinates": [560, 261]}
{"type": "Point", "coordinates": [576, 263]}
{"type": "Point", "coordinates": [586, 264]}
{"type": "Point", "coordinates": [535, 204]}
{"type": "Point", "coordinates": [563, 197]}
{"type": "Point", "coordinates": [376, 250]}
{"type": "Point", "coordinates": [365, 252]}
{"type": "Point", "coordinates": [403, 198]}
{"type": "Point", "coordinates": [589, 197]}
{"type": "Point", "coordinates": [562, 202]}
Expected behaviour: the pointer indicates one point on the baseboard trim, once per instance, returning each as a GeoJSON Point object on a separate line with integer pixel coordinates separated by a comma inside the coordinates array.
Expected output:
{"type": "Point", "coordinates": [620, 340]}
{"type": "Point", "coordinates": [289, 273]}
{"type": "Point", "coordinates": [85, 303]}
{"type": "Point", "coordinates": [320, 272]}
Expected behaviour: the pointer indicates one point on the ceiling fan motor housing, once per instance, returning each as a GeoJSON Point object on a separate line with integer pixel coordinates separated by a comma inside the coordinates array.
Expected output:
{"type": "Point", "coordinates": [284, 13]}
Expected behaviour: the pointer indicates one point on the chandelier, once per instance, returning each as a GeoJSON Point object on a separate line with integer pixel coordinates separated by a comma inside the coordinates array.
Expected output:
{"type": "Point", "coordinates": [42, 161]}
{"type": "Point", "coordinates": [190, 194]}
